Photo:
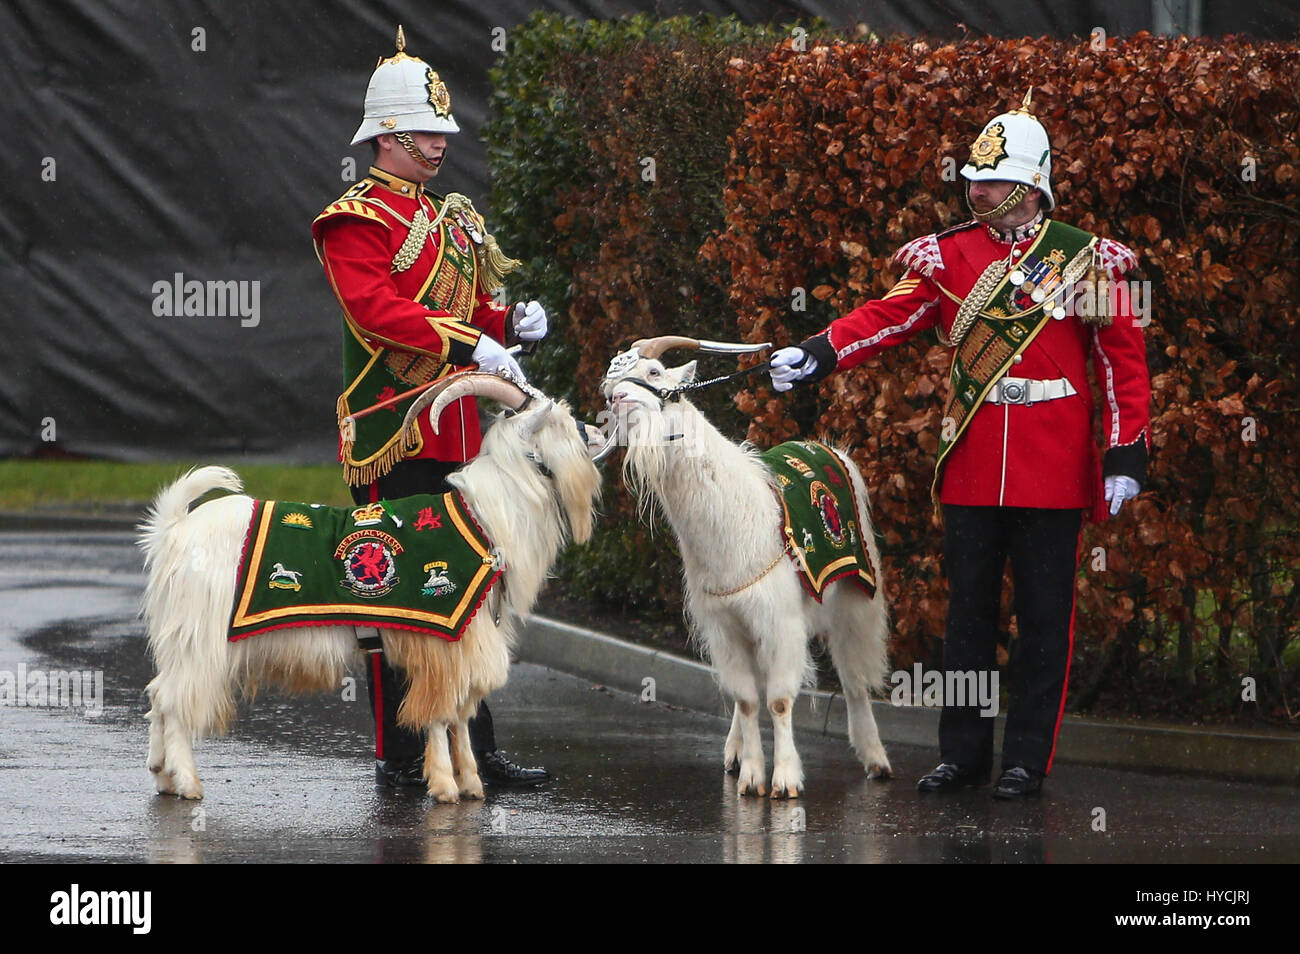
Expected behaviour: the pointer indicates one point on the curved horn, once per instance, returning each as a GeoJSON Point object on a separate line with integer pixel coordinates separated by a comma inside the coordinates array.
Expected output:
{"type": "Point", "coordinates": [537, 419]}
{"type": "Point", "coordinates": [426, 397]}
{"type": "Point", "coordinates": [479, 384]}
{"type": "Point", "coordinates": [599, 456]}
{"type": "Point", "coordinates": [654, 347]}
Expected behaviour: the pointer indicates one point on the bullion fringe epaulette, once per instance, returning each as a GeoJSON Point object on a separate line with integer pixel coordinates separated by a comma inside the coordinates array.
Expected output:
{"type": "Point", "coordinates": [921, 255]}
{"type": "Point", "coordinates": [1116, 258]}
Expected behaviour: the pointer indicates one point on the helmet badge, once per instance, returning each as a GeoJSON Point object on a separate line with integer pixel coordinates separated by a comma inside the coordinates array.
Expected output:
{"type": "Point", "coordinates": [439, 98]}
{"type": "Point", "coordinates": [990, 148]}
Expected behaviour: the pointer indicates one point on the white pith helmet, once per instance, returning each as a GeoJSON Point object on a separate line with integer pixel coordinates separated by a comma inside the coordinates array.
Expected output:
{"type": "Point", "coordinates": [405, 95]}
{"type": "Point", "coordinates": [1013, 147]}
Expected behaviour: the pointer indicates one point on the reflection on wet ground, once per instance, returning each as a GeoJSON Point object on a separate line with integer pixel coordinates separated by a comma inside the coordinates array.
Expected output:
{"type": "Point", "coordinates": [634, 781]}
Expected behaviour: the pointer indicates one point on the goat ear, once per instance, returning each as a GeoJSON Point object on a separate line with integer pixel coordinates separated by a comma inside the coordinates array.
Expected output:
{"type": "Point", "coordinates": [688, 373]}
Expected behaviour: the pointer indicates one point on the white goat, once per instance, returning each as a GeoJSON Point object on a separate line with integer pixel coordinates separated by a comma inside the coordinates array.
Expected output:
{"type": "Point", "coordinates": [534, 476]}
{"type": "Point", "coordinates": [748, 610]}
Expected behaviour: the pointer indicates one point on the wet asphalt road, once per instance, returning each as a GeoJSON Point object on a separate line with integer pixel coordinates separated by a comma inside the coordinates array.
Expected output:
{"type": "Point", "coordinates": [635, 781]}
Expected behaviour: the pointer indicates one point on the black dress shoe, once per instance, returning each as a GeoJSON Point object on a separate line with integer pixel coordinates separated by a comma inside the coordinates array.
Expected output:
{"type": "Point", "coordinates": [495, 769]}
{"type": "Point", "coordinates": [1017, 782]}
{"type": "Point", "coordinates": [949, 777]}
{"type": "Point", "coordinates": [398, 774]}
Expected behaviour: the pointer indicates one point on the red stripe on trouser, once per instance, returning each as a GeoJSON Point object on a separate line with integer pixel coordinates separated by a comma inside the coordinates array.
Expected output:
{"type": "Point", "coordinates": [376, 660]}
{"type": "Point", "coordinates": [1069, 655]}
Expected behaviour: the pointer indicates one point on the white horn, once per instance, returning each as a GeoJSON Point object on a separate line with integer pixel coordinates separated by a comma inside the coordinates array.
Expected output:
{"type": "Point", "coordinates": [477, 383]}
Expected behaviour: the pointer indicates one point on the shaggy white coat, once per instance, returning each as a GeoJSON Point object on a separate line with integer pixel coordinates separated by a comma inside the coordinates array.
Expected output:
{"type": "Point", "coordinates": [721, 503]}
{"type": "Point", "coordinates": [192, 559]}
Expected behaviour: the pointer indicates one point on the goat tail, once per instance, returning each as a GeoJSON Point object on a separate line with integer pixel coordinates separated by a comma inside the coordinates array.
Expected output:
{"type": "Point", "coordinates": [191, 559]}
{"type": "Point", "coordinates": [172, 505]}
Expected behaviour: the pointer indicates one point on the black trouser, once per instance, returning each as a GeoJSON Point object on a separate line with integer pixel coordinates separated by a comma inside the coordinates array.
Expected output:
{"type": "Point", "coordinates": [394, 742]}
{"type": "Point", "coordinates": [1043, 547]}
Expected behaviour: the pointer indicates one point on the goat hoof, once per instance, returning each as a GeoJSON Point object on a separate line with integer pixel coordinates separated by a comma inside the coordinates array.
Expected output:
{"type": "Point", "coordinates": [881, 773]}
{"type": "Point", "coordinates": [445, 798]}
{"type": "Point", "coordinates": [791, 791]}
{"type": "Point", "coordinates": [731, 766]}
{"type": "Point", "coordinates": [472, 789]}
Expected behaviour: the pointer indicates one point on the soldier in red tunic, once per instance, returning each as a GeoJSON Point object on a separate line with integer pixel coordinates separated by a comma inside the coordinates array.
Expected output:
{"type": "Point", "coordinates": [1022, 299]}
{"type": "Point", "coordinates": [414, 273]}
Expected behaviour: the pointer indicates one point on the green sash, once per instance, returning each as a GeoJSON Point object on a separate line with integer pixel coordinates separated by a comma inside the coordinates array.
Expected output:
{"type": "Point", "coordinates": [821, 531]}
{"type": "Point", "coordinates": [1001, 319]}
{"type": "Point", "coordinates": [417, 563]}
{"type": "Point", "coordinates": [373, 374]}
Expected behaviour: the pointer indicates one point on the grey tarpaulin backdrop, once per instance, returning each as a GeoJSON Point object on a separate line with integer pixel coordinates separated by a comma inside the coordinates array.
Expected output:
{"type": "Point", "coordinates": [211, 164]}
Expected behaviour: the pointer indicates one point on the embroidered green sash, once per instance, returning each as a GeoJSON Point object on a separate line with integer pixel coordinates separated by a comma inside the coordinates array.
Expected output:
{"type": "Point", "coordinates": [417, 563]}
{"type": "Point", "coordinates": [821, 531]}
{"type": "Point", "coordinates": [1004, 322]}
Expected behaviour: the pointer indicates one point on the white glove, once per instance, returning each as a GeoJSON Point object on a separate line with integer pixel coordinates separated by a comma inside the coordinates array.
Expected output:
{"type": "Point", "coordinates": [1118, 489]}
{"type": "Point", "coordinates": [491, 357]}
{"type": "Point", "coordinates": [530, 321]}
{"type": "Point", "coordinates": [790, 365]}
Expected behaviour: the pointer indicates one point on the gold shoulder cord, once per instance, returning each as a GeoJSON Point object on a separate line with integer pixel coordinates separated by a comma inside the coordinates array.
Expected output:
{"type": "Point", "coordinates": [414, 243]}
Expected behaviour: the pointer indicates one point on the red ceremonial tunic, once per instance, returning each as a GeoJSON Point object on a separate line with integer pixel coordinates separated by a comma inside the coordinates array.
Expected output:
{"type": "Point", "coordinates": [357, 239]}
{"type": "Point", "coordinates": [1011, 455]}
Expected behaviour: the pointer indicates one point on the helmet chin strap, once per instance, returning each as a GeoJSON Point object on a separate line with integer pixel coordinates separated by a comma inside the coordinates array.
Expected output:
{"type": "Point", "coordinates": [413, 150]}
{"type": "Point", "coordinates": [1010, 202]}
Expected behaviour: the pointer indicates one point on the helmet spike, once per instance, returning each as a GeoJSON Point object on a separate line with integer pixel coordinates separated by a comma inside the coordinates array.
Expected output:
{"type": "Point", "coordinates": [401, 39]}
{"type": "Point", "coordinates": [1024, 103]}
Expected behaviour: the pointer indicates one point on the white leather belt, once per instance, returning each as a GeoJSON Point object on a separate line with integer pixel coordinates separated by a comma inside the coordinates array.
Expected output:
{"type": "Point", "coordinates": [1027, 391]}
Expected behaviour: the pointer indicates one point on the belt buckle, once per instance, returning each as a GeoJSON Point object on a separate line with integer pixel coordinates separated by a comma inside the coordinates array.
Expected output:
{"type": "Point", "coordinates": [1014, 392]}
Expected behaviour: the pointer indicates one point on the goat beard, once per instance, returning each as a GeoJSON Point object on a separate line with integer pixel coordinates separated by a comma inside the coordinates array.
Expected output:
{"type": "Point", "coordinates": [646, 463]}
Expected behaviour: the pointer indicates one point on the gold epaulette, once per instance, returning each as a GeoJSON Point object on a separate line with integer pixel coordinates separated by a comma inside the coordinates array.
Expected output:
{"type": "Point", "coordinates": [351, 207]}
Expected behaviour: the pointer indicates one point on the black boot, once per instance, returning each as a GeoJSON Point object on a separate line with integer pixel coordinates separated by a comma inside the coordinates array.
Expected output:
{"type": "Point", "coordinates": [493, 766]}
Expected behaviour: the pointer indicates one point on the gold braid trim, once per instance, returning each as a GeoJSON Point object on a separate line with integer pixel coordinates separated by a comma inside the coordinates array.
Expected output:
{"type": "Point", "coordinates": [974, 303]}
{"type": "Point", "coordinates": [414, 243]}
{"type": "Point", "coordinates": [362, 475]}
{"type": "Point", "coordinates": [496, 264]}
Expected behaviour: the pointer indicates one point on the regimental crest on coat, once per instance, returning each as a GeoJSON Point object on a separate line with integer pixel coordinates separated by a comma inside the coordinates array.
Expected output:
{"type": "Point", "coordinates": [823, 502]}
{"type": "Point", "coordinates": [814, 508]}
{"type": "Point", "coordinates": [799, 465]}
{"type": "Point", "coordinates": [438, 583]}
{"type": "Point", "coordinates": [300, 520]}
{"type": "Point", "coordinates": [368, 516]}
{"type": "Point", "coordinates": [426, 519]}
{"type": "Point", "coordinates": [369, 559]}
{"type": "Point", "coordinates": [282, 579]}
{"type": "Point", "coordinates": [439, 98]}
{"type": "Point", "coordinates": [990, 148]}
{"type": "Point", "coordinates": [334, 573]}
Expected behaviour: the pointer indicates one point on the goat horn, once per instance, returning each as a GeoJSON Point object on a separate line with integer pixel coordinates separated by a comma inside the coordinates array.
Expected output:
{"type": "Point", "coordinates": [654, 347]}
{"type": "Point", "coordinates": [477, 383]}
{"type": "Point", "coordinates": [605, 451]}
{"type": "Point", "coordinates": [426, 397]}
{"type": "Point", "coordinates": [536, 421]}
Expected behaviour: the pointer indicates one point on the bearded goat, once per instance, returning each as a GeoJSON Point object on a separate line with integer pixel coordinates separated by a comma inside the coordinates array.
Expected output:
{"type": "Point", "coordinates": [534, 476]}
{"type": "Point", "coordinates": [748, 608]}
